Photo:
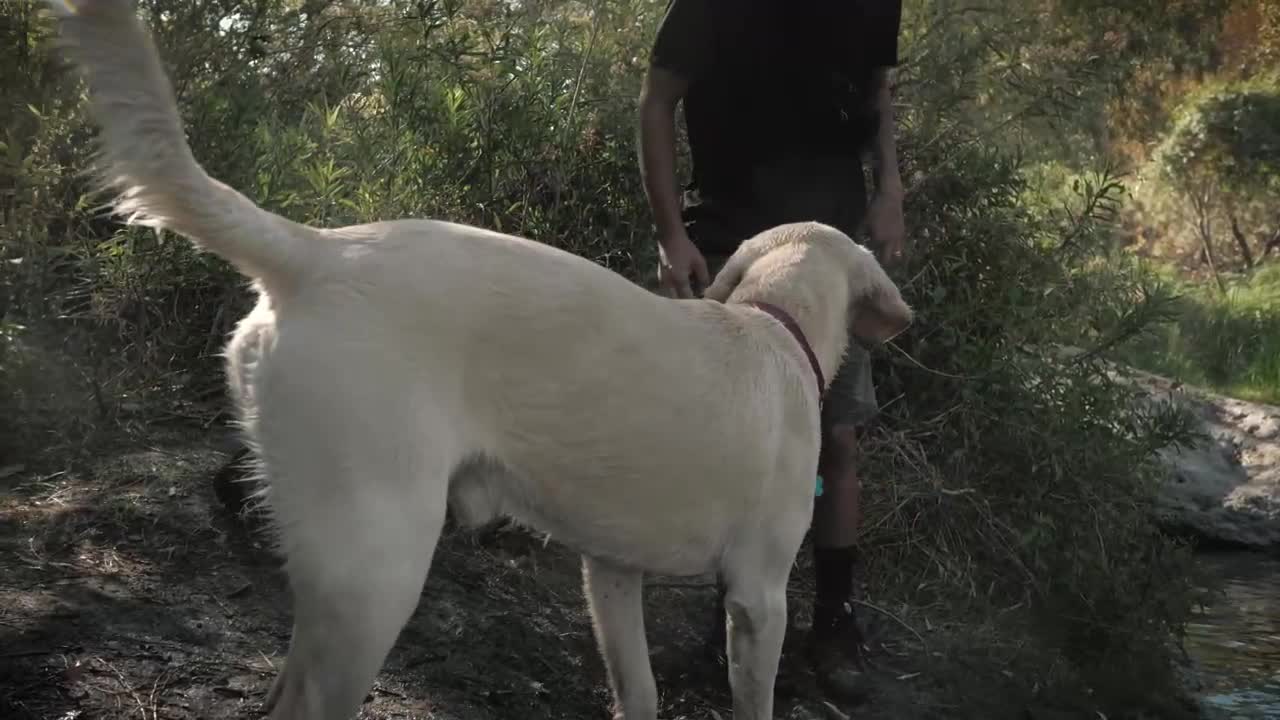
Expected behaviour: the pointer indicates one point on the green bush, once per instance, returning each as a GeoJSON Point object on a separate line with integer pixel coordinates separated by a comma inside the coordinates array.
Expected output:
{"type": "Point", "coordinates": [1229, 135]}
{"type": "Point", "coordinates": [515, 119]}
{"type": "Point", "coordinates": [1209, 190]}
{"type": "Point", "coordinates": [1008, 477]}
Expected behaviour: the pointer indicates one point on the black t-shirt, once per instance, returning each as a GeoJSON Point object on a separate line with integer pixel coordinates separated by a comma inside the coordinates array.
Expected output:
{"type": "Point", "coordinates": [777, 78]}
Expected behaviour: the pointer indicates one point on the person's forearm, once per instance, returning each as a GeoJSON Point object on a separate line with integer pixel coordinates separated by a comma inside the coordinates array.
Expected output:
{"type": "Point", "coordinates": [884, 155]}
{"type": "Point", "coordinates": [658, 163]}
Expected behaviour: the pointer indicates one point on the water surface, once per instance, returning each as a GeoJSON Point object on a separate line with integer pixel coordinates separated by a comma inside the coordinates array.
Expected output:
{"type": "Point", "coordinates": [1236, 641]}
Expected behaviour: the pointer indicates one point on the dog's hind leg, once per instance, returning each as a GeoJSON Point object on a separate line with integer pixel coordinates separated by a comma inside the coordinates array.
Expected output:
{"type": "Point", "coordinates": [615, 597]}
{"type": "Point", "coordinates": [359, 494]}
{"type": "Point", "coordinates": [356, 572]}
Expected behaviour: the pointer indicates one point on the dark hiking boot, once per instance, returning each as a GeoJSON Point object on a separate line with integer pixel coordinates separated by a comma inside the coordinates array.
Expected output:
{"type": "Point", "coordinates": [835, 651]}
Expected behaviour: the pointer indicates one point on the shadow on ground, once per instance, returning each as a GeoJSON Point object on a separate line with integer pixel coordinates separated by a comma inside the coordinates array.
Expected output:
{"type": "Point", "coordinates": [128, 592]}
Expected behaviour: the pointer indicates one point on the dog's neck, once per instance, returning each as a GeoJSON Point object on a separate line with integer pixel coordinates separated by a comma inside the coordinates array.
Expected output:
{"type": "Point", "coordinates": [785, 318]}
{"type": "Point", "coordinates": [824, 325]}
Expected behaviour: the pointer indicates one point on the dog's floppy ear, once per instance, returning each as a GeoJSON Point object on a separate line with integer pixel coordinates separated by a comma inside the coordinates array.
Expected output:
{"type": "Point", "coordinates": [877, 312]}
{"type": "Point", "coordinates": [726, 281]}
{"type": "Point", "coordinates": [880, 317]}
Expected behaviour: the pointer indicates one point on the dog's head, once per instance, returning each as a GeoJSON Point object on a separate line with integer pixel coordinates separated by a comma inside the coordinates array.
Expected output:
{"type": "Point", "coordinates": [816, 264]}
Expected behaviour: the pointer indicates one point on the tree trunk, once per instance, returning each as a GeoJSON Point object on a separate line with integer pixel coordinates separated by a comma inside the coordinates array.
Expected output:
{"type": "Point", "coordinates": [1272, 244]}
{"type": "Point", "coordinates": [1204, 224]}
{"type": "Point", "coordinates": [1241, 242]}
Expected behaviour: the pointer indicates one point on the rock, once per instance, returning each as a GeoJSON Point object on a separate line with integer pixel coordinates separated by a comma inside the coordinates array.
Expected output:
{"type": "Point", "coordinates": [1226, 489]}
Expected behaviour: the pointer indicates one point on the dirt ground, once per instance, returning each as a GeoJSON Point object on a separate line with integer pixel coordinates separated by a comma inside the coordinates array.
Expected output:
{"type": "Point", "coordinates": [127, 591]}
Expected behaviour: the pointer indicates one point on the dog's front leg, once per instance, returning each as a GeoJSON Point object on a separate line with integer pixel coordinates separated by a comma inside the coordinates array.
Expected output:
{"type": "Point", "coordinates": [757, 609]}
{"type": "Point", "coordinates": [615, 598]}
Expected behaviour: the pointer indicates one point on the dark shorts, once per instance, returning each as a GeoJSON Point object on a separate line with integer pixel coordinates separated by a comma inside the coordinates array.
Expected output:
{"type": "Point", "coordinates": [796, 189]}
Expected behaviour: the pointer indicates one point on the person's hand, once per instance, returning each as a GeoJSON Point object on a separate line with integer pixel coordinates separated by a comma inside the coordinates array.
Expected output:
{"type": "Point", "coordinates": [887, 227]}
{"type": "Point", "coordinates": [678, 261]}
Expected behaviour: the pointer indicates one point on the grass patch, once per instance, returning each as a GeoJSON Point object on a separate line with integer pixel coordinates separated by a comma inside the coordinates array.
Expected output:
{"type": "Point", "coordinates": [1229, 343]}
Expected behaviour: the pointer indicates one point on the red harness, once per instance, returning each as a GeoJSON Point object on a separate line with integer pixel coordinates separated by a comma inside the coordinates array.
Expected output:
{"type": "Point", "coordinates": [790, 324]}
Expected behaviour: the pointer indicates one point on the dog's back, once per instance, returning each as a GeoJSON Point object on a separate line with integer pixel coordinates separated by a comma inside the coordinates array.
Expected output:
{"type": "Point", "coordinates": [577, 387]}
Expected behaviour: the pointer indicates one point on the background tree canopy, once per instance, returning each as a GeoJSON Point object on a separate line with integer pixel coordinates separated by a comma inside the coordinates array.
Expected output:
{"type": "Point", "coordinates": [1012, 491]}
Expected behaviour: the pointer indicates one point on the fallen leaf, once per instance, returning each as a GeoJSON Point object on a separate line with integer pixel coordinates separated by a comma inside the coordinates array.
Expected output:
{"type": "Point", "coordinates": [833, 711]}
{"type": "Point", "coordinates": [242, 590]}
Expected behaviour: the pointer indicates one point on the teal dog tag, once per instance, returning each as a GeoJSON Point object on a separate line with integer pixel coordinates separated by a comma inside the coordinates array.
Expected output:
{"type": "Point", "coordinates": [818, 490]}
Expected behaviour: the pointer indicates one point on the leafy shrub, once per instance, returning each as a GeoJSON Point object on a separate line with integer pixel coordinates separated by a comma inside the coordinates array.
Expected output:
{"type": "Point", "coordinates": [1215, 174]}
{"type": "Point", "coordinates": [1008, 477]}
{"type": "Point", "coordinates": [1229, 135]}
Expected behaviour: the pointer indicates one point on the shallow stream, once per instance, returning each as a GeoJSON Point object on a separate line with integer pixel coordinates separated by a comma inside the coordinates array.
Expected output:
{"type": "Point", "coordinates": [1236, 641]}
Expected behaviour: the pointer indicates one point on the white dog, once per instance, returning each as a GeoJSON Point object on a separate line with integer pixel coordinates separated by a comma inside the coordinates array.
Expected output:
{"type": "Point", "coordinates": [393, 368]}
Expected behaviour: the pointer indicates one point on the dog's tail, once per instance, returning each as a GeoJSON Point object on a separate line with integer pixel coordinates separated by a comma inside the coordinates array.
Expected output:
{"type": "Point", "coordinates": [144, 152]}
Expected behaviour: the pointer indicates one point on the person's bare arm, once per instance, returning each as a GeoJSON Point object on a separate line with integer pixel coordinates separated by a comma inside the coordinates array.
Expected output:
{"type": "Point", "coordinates": [885, 220]}
{"type": "Point", "coordinates": [682, 52]}
{"type": "Point", "coordinates": [884, 153]}
{"type": "Point", "coordinates": [660, 93]}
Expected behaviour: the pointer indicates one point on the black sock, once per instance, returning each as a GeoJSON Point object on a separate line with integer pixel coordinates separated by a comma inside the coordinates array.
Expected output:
{"type": "Point", "coordinates": [833, 572]}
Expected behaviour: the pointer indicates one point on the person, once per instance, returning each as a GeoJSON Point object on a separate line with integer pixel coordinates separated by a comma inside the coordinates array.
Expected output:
{"type": "Point", "coordinates": [781, 102]}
